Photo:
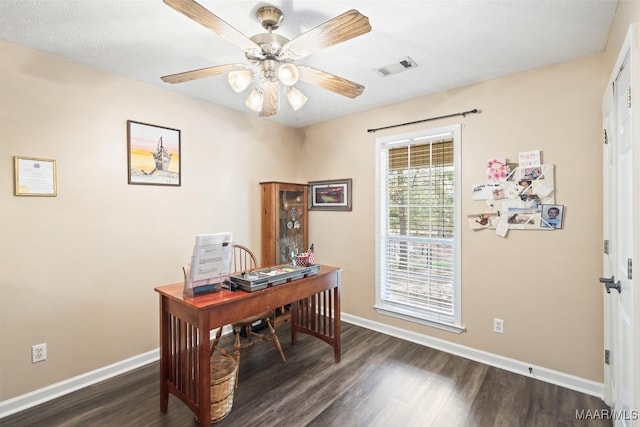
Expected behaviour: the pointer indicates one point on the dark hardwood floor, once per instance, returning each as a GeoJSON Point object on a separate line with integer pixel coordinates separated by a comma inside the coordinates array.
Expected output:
{"type": "Point", "coordinates": [381, 381]}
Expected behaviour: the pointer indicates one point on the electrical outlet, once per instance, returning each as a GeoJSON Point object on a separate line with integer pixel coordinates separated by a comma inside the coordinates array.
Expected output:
{"type": "Point", "coordinates": [38, 353]}
{"type": "Point", "coordinates": [498, 326]}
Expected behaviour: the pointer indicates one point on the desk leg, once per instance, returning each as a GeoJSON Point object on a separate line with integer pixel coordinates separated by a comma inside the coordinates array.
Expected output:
{"type": "Point", "coordinates": [319, 315]}
{"type": "Point", "coordinates": [293, 309]}
{"type": "Point", "coordinates": [205, 373]}
{"type": "Point", "coordinates": [336, 323]}
{"type": "Point", "coordinates": [164, 355]}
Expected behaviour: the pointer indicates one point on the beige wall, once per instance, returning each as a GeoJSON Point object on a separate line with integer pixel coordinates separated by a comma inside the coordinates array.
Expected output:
{"type": "Point", "coordinates": [79, 269]}
{"type": "Point", "coordinates": [543, 284]}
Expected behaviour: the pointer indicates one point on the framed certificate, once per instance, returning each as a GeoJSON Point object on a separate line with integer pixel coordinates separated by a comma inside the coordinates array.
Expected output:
{"type": "Point", "coordinates": [34, 177]}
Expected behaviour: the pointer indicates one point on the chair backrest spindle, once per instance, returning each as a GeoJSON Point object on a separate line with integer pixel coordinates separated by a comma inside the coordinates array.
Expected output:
{"type": "Point", "coordinates": [243, 259]}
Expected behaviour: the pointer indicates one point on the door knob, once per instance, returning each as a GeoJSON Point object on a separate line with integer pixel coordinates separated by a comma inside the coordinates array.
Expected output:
{"type": "Point", "coordinates": [610, 283]}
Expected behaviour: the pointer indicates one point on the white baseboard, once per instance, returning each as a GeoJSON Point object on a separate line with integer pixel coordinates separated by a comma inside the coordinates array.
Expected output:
{"type": "Point", "coordinates": [36, 397]}
{"type": "Point", "coordinates": [543, 374]}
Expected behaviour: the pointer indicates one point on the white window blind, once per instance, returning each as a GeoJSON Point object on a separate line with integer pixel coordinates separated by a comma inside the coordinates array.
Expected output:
{"type": "Point", "coordinates": [417, 225]}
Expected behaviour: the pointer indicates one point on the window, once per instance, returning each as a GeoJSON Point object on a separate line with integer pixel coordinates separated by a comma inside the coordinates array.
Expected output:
{"type": "Point", "coordinates": [418, 227]}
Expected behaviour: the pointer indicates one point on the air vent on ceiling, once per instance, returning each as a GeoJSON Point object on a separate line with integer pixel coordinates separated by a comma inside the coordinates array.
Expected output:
{"type": "Point", "coordinates": [403, 64]}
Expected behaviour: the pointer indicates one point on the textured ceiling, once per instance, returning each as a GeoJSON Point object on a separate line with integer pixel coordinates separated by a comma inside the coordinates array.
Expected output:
{"type": "Point", "coordinates": [455, 43]}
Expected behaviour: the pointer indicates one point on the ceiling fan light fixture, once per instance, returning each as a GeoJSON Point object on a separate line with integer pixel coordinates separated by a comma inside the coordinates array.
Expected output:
{"type": "Point", "coordinates": [288, 74]}
{"type": "Point", "coordinates": [254, 101]}
{"type": "Point", "coordinates": [239, 80]}
{"type": "Point", "coordinates": [296, 98]}
{"type": "Point", "coordinates": [271, 56]}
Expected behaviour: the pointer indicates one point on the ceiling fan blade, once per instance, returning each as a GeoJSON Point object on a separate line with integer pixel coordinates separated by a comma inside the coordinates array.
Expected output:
{"type": "Point", "coordinates": [270, 98]}
{"type": "Point", "coordinates": [330, 82]}
{"type": "Point", "coordinates": [203, 16]}
{"type": "Point", "coordinates": [200, 73]}
{"type": "Point", "coordinates": [337, 30]}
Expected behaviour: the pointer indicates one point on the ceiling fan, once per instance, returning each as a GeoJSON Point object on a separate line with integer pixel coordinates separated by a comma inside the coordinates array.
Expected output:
{"type": "Point", "coordinates": [271, 56]}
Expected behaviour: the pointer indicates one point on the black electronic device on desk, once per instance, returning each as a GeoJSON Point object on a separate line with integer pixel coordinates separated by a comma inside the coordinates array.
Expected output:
{"type": "Point", "coordinates": [255, 280]}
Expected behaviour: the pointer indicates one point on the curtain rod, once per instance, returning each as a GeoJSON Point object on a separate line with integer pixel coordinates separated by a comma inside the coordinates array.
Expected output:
{"type": "Point", "coordinates": [463, 114]}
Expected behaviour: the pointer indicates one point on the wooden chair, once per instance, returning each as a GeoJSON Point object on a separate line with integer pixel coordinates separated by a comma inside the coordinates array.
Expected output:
{"type": "Point", "coordinates": [243, 260]}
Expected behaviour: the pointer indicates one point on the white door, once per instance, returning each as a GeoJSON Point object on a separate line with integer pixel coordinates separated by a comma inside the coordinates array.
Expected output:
{"type": "Point", "coordinates": [621, 200]}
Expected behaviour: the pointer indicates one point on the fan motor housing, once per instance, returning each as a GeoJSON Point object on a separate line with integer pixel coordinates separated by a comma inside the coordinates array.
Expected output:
{"type": "Point", "coordinates": [270, 43]}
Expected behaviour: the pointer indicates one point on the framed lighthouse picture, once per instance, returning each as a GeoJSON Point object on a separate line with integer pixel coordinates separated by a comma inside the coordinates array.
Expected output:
{"type": "Point", "coordinates": [153, 154]}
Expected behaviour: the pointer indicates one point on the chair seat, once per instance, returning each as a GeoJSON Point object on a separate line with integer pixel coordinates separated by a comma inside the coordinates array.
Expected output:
{"type": "Point", "coordinates": [243, 260]}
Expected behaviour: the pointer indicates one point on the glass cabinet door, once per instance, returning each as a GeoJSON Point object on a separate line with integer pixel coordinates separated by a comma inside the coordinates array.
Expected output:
{"type": "Point", "coordinates": [284, 222]}
{"type": "Point", "coordinates": [292, 224]}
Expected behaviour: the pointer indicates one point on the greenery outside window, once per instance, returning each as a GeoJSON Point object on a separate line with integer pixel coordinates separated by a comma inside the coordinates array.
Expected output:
{"type": "Point", "coordinates": [418, 227]}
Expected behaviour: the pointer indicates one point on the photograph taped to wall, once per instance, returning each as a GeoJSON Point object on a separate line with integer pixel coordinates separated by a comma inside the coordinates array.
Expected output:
{"type": "Point", "coordinates": [483, 191]}
{"type": "Point", "coordinates": [483, 220]}
{"type": "Point", "coordinates": [532, 173]}
{"type": "Point", "coordinates": [520, 218]}
{"type": "Point", "coordinates": [552, 216]}
{"type": "Point", "coordinates": [529, 159]}
{"type": "Point", "coordinates": [497, 170]}
{"type": "Point", "coordinates": [524, 198]}
{"type": "Point", "coordinates": [499, 193]}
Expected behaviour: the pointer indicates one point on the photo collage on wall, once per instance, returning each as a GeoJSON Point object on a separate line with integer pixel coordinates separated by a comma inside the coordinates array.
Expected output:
{"type": "Point", "coordinates": [517, 196]}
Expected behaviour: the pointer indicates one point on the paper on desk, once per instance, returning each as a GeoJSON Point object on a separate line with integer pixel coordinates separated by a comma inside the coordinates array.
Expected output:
{"type": "Point", "coordinates": [211, 260]}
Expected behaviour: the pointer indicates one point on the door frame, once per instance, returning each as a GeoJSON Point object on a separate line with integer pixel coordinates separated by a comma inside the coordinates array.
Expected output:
{"type": "Point", "coordinates": [628, 48]}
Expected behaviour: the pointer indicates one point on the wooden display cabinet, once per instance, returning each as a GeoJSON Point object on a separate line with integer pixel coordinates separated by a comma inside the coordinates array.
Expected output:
{"type": "Point", "coordinates": [284, 221]}
{"type": "Point", "coordinates": [284, 227]}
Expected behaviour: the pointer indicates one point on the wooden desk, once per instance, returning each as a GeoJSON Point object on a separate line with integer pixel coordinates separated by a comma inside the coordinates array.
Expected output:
{"type": "Point", "coordinates": [185, 325]}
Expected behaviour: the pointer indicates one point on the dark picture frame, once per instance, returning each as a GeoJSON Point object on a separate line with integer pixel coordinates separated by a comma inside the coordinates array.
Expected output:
{"type": "Point", "coordinates": [330, 195]}
{"type": "Point", "coordinates": [153, 154]}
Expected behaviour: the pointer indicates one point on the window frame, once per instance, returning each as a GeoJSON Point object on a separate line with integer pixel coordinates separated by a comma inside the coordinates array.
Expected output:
{"type": "Point", "coordinates": [424, 317]}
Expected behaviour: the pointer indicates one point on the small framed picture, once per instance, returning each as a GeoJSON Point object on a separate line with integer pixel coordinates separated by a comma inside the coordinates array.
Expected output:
{"type": "Point", "coordinates": [334, 195]}
{"type": "Point", "coordinates": [34, 177]}
{"type": "Point", "coordinates": [153, 154]}
{"type": "Point", "coordinates": [552, 216]}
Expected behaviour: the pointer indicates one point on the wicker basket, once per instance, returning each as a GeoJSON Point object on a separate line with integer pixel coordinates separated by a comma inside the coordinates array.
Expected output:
{"type": "Point", "coordinates": [223, 383]}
